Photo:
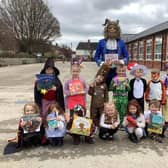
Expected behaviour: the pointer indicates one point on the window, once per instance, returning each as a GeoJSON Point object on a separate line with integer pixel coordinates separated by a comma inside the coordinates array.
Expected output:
{"type": "Point", "coordinates": [158, 47]}
{"type": "Point", "coordinates": [141, 49]}
{"type": "Point", "coordinates": [135, 51]}
{"type": "Point", "coordinates": [148, 49]}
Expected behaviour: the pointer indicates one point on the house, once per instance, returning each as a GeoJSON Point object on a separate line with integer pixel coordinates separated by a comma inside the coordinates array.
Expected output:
{"type": "Point", "coordinates": [150, 47]}
{"type": "Point", "coordinates": [86, 49]}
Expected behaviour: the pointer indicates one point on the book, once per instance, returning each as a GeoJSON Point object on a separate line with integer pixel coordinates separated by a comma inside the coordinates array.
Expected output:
{"type": "Point", "coordinates": [81, 126]}
{"type": "Point", "coordinates": [156, 125]}
{"type": "Point", "coordinates": [44, 82]}
{"type": "Point", "coordinates": [76, 87]}
{"type": "Point", "coordinates": [53, 123]}
{"type": "Point", "coordinates": [32, 124]}
{"type": "Point", "coordinates": [111, 57]}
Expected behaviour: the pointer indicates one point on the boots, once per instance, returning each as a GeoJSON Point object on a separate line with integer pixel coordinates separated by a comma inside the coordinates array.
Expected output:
{"type": "Point", "coordinates": [133, 138]}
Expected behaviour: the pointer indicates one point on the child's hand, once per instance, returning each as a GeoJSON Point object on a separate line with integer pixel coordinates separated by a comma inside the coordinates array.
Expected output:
{"type": "Point", "coordinates": [54, 88]}
{"type": "Point", "coordinates": [91, 85]}
{"type": "Point", "coordinates": [58, 118]}
{"type": "Point", "coordinates": [147, 121]}
{"type": "Point", "coordinates": [23, 123]}
{"type": "Point", "coordinates": [112, 126]}
{"type": "Point", "coordinates": [115, 125]}
{"type": "Point", "coordinates": [38, 119]}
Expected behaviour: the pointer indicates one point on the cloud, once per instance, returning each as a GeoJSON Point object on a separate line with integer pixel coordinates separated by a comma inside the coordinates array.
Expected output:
{"type": "Point", "coordinates": [82, 20]}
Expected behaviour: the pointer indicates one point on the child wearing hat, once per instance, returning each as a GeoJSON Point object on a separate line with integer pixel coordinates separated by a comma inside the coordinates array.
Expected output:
{"type": "Point", "coordinates": [138, 84]}
{"type": "Point", "coordinates": [155, 88]}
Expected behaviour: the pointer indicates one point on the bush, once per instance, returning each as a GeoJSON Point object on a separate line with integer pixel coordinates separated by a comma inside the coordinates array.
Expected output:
{"type": "Point", "coordinates": [23, 55]}
{"type": "Point", "coordinates": [7, 54]}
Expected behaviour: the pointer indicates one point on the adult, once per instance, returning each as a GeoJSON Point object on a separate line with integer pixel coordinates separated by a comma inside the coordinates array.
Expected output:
{"type": "Point", "coordinates": [111, 44]}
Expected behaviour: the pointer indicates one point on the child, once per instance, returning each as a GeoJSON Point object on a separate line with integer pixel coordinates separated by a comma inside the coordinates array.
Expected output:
{"type": "Point", "coordinates": [155, 88]}
{"type": "Point", "coordinates": [138, 84]}
{"type": "Point", "coordinates": [75, 89]}
{"type": "Point", "coordinates": [109, 122]}
{"type": "Point", "coordinates": [55, 94]}
{"type": "Point", "coordinates": [154, 129]}
{"type": "Point", "coordinates": [99, 95]}
{"type": "Point", "coordinates": [55, 125]}
{"type": "Point", "coordinates": [79, 111]}
{"type": "Point", "coordinates": [165, 107]}
{"type": "Point", "coordinates": [120, 87]}
{"type": "Point", "coordinates": [134, 121]}
{"type": "Point", "coordinates": [30, 126]}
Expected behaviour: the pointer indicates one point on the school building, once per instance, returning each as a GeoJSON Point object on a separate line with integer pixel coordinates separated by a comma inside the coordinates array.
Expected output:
{"type": "Point", "coordinates": [150, 47]}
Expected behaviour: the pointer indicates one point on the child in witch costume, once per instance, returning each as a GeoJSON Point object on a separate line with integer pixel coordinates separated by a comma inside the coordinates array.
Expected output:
{"type": "Point", "coordinates": [138, 84]}
{"type": "Point", "coordinates": [99, 95]}
{"type": "Point", "coordinates": [54, 94]}
{"type": "Point", "coordinates": [111, 46]}
{"type": "Point", "coordinates": [120, 87]}
{"type": "Point", "coordinates": [134, 121]}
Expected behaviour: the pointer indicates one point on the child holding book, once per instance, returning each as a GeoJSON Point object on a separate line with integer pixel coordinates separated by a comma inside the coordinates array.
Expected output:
{"type": "Point", "coordinates": [30, 129]}
{"type": "Point", "coordinates": [52, 95]}
{"type": "Point", "coordinates": [82, 129]}
{"type": "Point", "coordinates": [120, 87]}
{"type": "Point", "coordinates": [154, 121]}
{"type": "Point", "coordinates": [75, 89]}
{"type": "Point", "coordinates": [55, 125]}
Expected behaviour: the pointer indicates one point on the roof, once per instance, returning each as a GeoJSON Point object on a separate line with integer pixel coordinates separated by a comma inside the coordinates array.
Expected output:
{"type": "Point", "coordinates": [87, 46]}
{"type": "Point", "coordinates": [155, 29]}
{"type": "Point", "coordinates": [126, 37]}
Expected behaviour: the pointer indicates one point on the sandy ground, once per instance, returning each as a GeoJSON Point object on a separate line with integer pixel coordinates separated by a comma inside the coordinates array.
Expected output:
{"type": "Point", "coordinates": [16, 88]}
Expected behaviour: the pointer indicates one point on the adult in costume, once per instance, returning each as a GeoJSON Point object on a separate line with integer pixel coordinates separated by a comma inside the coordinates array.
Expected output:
{"type": "Point", "coordinates": [111, 44]}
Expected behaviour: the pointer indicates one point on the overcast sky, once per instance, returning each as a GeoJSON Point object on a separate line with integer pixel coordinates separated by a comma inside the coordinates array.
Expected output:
{"type": "Point", "coordinates": [81, 20]}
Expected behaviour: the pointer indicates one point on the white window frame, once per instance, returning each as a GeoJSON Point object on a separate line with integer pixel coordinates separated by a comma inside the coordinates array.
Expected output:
{"type": "Point", "coordinates": [158, 41]}
{"type": "Point", "coordinates": [141, 48]}
{"type": "Point", "coordinates": [149, 44]}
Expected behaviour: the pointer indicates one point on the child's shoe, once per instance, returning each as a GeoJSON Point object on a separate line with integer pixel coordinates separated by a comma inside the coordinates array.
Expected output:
{"type": "Point", "coordinates": [89, 140]}
{"type": "Point", "coordinates": [110, 137]}
{"type": "Point", "coordinates": [133, 138]}
{"type": "Point", "coordinates": [76, 139]}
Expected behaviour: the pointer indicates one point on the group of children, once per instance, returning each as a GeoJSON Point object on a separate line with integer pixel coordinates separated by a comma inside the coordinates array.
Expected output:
{"type": "Point", "coordinates": [50, 122]}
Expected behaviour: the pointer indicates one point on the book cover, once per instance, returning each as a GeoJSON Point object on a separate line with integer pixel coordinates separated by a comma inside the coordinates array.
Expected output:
{"type": "Point", "coordinates": [81, 126]}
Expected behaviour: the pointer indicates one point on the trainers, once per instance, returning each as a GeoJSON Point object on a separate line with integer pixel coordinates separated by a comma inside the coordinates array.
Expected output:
{"type": "Point", "coordinates": [110, 137]}
{"type": "Point", "coordinates": [89, 140]}
{"type": "Point", "coordinates": [133, 138]}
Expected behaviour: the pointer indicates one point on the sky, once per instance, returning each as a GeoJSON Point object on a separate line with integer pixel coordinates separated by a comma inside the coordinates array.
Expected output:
{"type": "Point", "coordinates": [81, 20]}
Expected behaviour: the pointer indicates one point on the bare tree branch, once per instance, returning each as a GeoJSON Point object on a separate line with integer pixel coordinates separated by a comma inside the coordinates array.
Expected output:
{"type": "Point", "coordinates": [29, 20]}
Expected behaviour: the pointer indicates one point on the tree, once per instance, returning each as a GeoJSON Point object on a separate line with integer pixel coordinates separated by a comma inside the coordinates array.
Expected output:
{"type": "Point", "coordinates": [30, 20]}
